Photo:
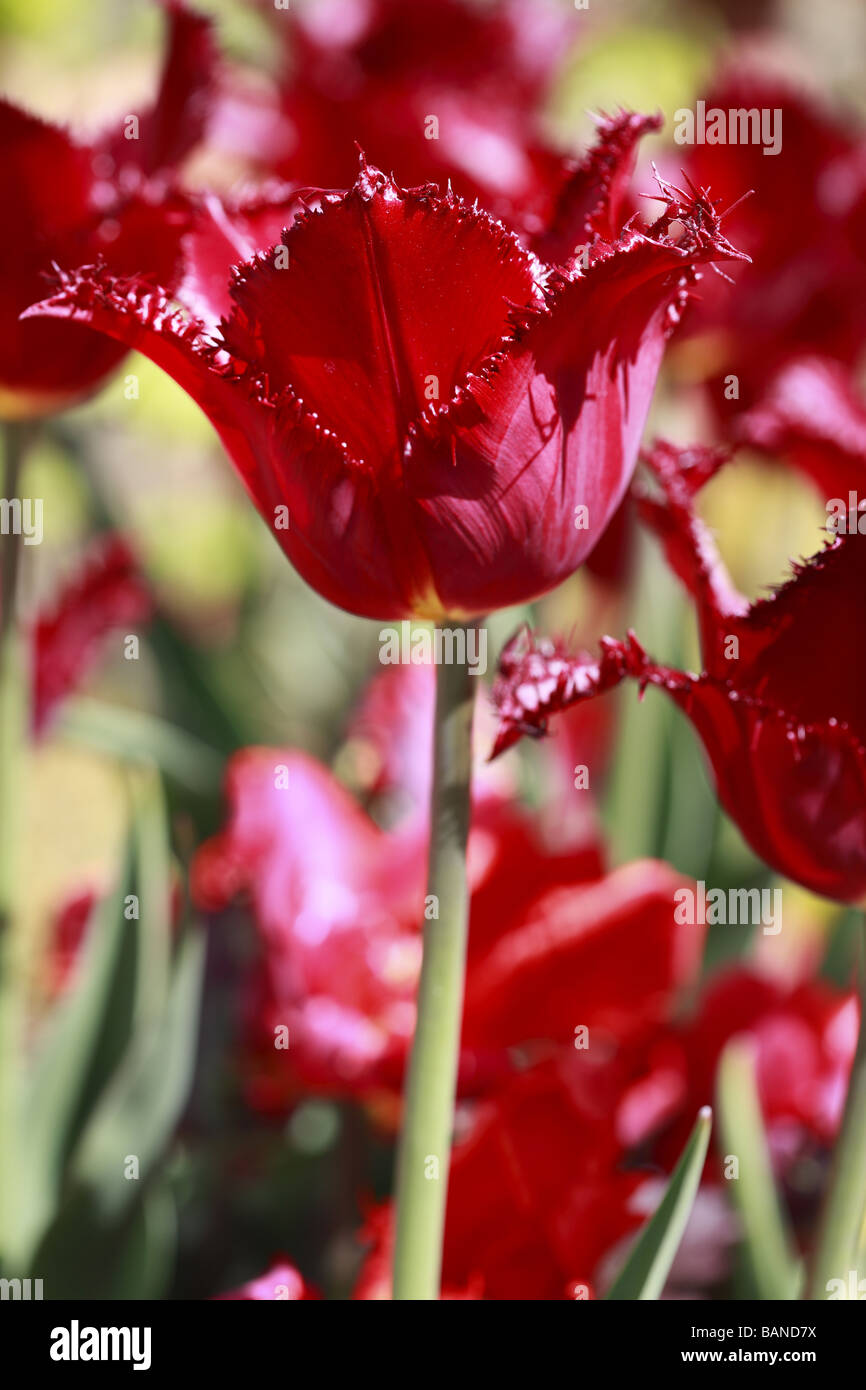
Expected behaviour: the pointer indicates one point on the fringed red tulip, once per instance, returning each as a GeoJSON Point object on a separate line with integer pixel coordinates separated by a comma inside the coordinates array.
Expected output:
{"type": "Point", "coordinates": [68, 201]}
{"type": "Point", "coordinates": [780, 707]}
{"type": "Point", "coordinates": [433, 423]}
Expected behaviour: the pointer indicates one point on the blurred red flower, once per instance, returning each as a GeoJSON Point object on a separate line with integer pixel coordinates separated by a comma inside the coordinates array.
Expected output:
{"type": "Point", "coordinates": [339, 903]}
{"type": "Point", "coordinates": [67, 201]}
{"type": "Point", "coordinates": [282, 1283]}
{"type": "Point", "coordinates": [563, 1161]}
{"type": "Point", "coordinates": [535, 1195]}
{"type": "Point", "coordinates": [811, 415]}
{"type": "Point", "coordinates": [803, 1035]}
{"type": "Point", "coordinates": [104, 593]}
{"type": "Point", "coordinates": [805, 291]}
{"type": "Point", "coordinates": [431, 420]}
{"type": "Point", "coordinates": [783, 726]}
{"type": "Point", "coordinates": [445, 91]}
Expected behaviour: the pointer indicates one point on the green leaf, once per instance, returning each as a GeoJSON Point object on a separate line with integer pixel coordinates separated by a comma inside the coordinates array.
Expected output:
{"type": "Point", "coordinates": [153, 889]}
{"type": "Point", "coordinates": [137, 737]}
{"type": "Point", "coordinates": [143, 1102]}
{"type": "Point", "coordinates": [127, 1258]}
{"type": "Point", "coordinates": [80, 1045]}
{"type": "Point", "coordinates": [769, 1247]}
{"type": "Point", "coordinates": [648, 1265]}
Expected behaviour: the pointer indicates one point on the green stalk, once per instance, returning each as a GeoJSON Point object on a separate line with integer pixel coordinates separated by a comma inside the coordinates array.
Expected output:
{"type": "Point", "coordinates": [425, 1143]}
{"type": "Point", "coordinates": [13, 711]}
{"type": "Point", "coordinates": [13, 733]}
{"type": "Point", "coordinates": [845, 1203]}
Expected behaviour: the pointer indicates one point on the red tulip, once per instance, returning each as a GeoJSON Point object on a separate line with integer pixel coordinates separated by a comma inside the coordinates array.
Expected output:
{"type": "Point", "coordinates": [445, 91]}
{"type": "Point", "coordinates": [68, 933]}
{"type": "Point", "coordinates": [805, 291]}
{"type": "Point", "coordinates": [803, 1035]}
{"type": "Point", "coordinates": [432, 422]}
{"type": "Point", "coordinates": [811, 414]}
{"type": "Point", "coordinates": [67, 202]}
{"type": "Point", "coordinates": [564, 1160]}
{"type": "Point", "coordinates": [535, 1197]}
{"type": "Point", "coordinates": [780, 708]}
{"type": "Point", "coordinates": [338, 904]}
{"type": "Point", "coordinates": [104, 594]}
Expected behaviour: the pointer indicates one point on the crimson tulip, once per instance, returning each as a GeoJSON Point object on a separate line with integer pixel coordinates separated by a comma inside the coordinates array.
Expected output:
{"type": "Point", "coordinates": [811, 415]}
{"type": "Point", "coordinates": [104, 592]}
{"type": "Point", "coordinates": [337, 902]}
{"type": "Point", "coordinates": [535, 1198]}
{"type": "Point", "coordinates": [67, 201]}
{"type": "Point", "coordinates": [562, 1161]}
{"type": "Point", "coordinates": [805, 291]}
{"type": "Point", "coordinates": [432, 422]}
{"type": "Point", "coordinates": [803, 1034]}
{"type": "Point", "coordinates": [445, 91]}
{"type": "Point", "coordinates": [784, 730]}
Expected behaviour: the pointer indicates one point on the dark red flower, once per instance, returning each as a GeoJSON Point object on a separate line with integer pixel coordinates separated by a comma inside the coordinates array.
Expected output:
{"type": "Point", "coordinates": [805, 291]}
{"type": "Point", "coordinates": [445, 91]}
{"type": "Point", "coordinates": [594, 194]}
{"type": "Point", "coordinates": [176, 123]}
{"type": "Point", "coordinates": [282, 1283]}
{"type": "Point", "coordinates": [780, 707]}
{"type": "Point", "coordinates": [68, 202]}
{"type": "Point", "coordinates": [811, 415]}
{"type": "Point", "coordinates": [803, 1037]}
{"type": "Point", "coordinates": [558, 1167]}
{"type": "Point", "coordinates": [535, 1196]}
{"type": "Point", "coordinates": [338, 903]}
{"type": "Point", "coordinates": [105, 593]}
{"type": "Point", "coordinates": [432, 422]}
{"type": "Point", "coordinates": [68, 932]}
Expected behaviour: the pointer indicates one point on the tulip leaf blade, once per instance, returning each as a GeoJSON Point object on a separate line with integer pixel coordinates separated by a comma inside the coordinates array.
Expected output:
{"type": "Point", "coordinates": [647, 1267]}
{"type": "Point", "coordinates": [768, 1245]}
{"type": "Point", "coordinates": [87, 1029]}
{"type": "Point", "coordinates": [141, 1106]}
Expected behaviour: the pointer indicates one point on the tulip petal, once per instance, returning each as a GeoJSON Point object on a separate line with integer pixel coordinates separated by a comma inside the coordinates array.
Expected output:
{"type": "Point", "coordinates": [362, 323]}
{"type": "Point", "coordinates": [593, 198]}
{"type": "Point", "coordinates": [786, 736]}
{"type": "Point", "coordinates": [175, 123]}
{"type": "Point", "coordinates": [105, 594]}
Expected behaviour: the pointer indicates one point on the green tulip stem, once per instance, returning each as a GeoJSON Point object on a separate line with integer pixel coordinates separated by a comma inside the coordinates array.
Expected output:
{"type": "Point", "coordinates": [12, 676]}
{"type": "Point", "coordinates": [425, 1141]}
